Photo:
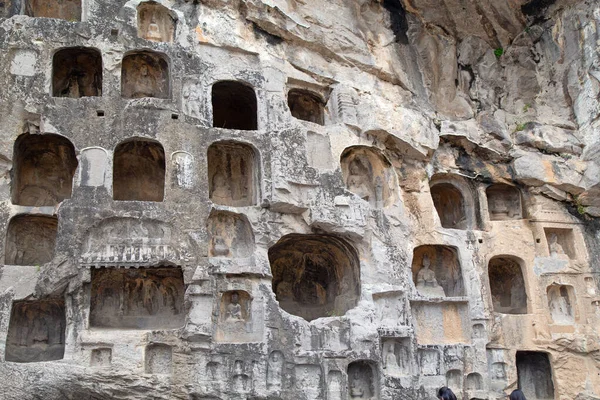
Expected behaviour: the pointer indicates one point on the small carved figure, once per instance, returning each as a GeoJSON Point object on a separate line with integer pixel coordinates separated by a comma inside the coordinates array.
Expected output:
{"type": "Point", "coordinates": [234, 308]}
{"type": "Point", "coordinates": [357, 180]}
{"type": "Point", "coordinates": [221, 191]}
{"type": "Point", "coordinates": [556, 248]}
{"type": "Point", "coordinates": [356, 387]}
{"type": "Point", "coordinates": [191, 95]}
{"type": "Point", "coordinates": [391, 362]}
{"type": "Point", "coordinates": [220, 248]}
{"type": "Point", "coordinates": [274, 373]}
{"type": "Point", "coordinates": [153, 33]}
{"type": "Point", "coordinates": [146, 84]}
{"type": "Point", "coordinates": [427, 283]}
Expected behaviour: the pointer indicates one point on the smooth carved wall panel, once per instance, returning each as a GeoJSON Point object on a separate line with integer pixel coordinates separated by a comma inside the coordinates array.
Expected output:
{"type": "Point", "coordinates": [61, 9]}
{"type": "Point", "coordinates": [234, 106]}
{"type": "Point", "coordinates": [232, 174]}
{"type": "Point", "coordinates": [77, 72]}
{"type": "Point", "coordinates": [31, 239]}
{"type": "Point", "coordinates": [315, 275]}
{"type": "Point", "coordinates": [143, 298]}
{"type": "Point", "coordinates": [155, 22]}
{"type": "Point", "coordinates": [139, 171]}
{"type": "Point", "coordinates": [436, 271]}
{"type": "Point", "coordinates": [369, 175]}
{"type": "Point", "coordinates": [306, 106]}
{"type": "Point", "coordinates": [230, 235]}
{"type": "Point", "coordinates": [145, 74]}
{"type": "Point", "coordinates": [36, 331]}
{"type": "Point", "coordinates": [43, 170]}
{"type": "Point", "coordinates": [507, 286]}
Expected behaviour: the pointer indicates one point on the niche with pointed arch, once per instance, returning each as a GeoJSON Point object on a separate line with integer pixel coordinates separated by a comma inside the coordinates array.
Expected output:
{"type": "Point", "coordinates": [77, 72]}
{"type": "Point", "coordinates": [315, 275]}
{"type": "Point", "coordinates": [44, 166]}
{"type": "Point", "coordinates": [232, 174]}
{"type": "Point", "coordinates": [234, 106]}
{"type": "Point", "coordinates": [145, 74]}
{"type": "Point", "coordinates": [155, 22]}
{"type": "Point", "coordinates": [369, 175]}
{"type": "Point", "coordinates": [30, 239]}
{"type": "Point", "coordinates": [139, 170]}
{"type": "Point", "coordinates": [507, 285]}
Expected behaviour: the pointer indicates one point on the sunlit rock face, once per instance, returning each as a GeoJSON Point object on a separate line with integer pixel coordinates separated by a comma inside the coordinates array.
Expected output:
{"type": "Point", "coordinates": [285, 199]}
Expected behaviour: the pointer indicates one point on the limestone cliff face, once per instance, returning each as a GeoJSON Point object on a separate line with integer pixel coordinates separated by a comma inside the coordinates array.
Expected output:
{"type": "Point", "coordinates": [299, 199]}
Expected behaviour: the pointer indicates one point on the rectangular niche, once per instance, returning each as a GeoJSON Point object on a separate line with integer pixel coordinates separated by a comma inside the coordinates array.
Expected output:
{"type": "Point", "coordinates": [561, 243]}
{"type": "Point", "coordinates": [397, 356]}
{"type": "Point", "coordinates": [36, 331]}
{"type": "Point", "coordinates": [437, 271]}
{"type": "Point", "coordinates": [535, 375]}
{"type": "Point", "coordinates": [158, 359]}
{"type": "Point", "coordinates": [141, 298]}
{"type": "Point", "coordinates": [69, 10]}
{"type": "Point", "coordinates": [441, 323]}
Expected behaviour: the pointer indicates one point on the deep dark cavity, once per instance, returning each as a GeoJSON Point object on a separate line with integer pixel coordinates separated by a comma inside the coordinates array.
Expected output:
{"type": "Point", "coordinates": [398, 19]}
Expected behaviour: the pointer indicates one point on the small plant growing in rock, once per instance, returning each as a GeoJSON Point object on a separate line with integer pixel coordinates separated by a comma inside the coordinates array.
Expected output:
{"type": "Point", "coordinates": [498, 52]}
{"type": "Point", "coordinates": [526, 107]}
{"type": "Point", "coordinates": [520, 127]}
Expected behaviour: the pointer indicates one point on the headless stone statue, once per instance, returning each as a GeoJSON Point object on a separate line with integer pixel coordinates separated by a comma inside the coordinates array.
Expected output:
{"type": "Point", "coordinates": [427, 284]}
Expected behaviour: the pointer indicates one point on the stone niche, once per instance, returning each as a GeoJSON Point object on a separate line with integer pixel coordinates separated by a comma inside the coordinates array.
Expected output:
{"type": "Point", "coordinates": [504, 202]}
{"type": "Point", "coordinates": [363, 381]}
{"type": "Point", "coordinates": [230, 235]}
{"type": "Point", "coordinates": [69, 10]}
{"type": "Point", "coordinates": [232, 174]}
{"type": "Point", "coordinates": [30, 240]}
{"type": "Point", "coordinates": [561, 243]}
{"type": "Point", "coordinates": [474, 382]}
{"type": "Point", "coordinates": [234, 316]}
{"type": "Point", "coordinates": [397, 356]}
{"type": "Point", "coordinates": [315, 275]}
{"type": "Point", "coordinates": [145, 74]}
{"type": "Point", "coordinates": [561, 303]}
{"type": "Point", "coordinates": [101, 357]}
{"type": "Point", "coordinates": [142, 298]}
{"type": "Point", "coordinates": [436, 271]}
{"type": "Point", "coordinates": [234, 106]}
{"type": "Point", "coordinates": [43, 170]}
{"type": "Point", "coordinates": [429, 361]}
{"type": "Point", "coordinates": [139, 171]}
{"type": "Point", "coordinates": [307, 106]}
{"type": "Point", "coordinates": [369, 175]}
{"type": "Point", "coordinates": [77, 72]}
{"type": "Point", "coordinates": [535, 375]}
{"type": "Point", "coordinates": [450, 205]}
{"type": "Point", "coordinates": [155, 22]}
{"type": "Point", "coordinates": [507, 285]}
{"type": "Point", "coordinates": [36, 331]}
{"type": "Point", "coordinates": [158, 359]}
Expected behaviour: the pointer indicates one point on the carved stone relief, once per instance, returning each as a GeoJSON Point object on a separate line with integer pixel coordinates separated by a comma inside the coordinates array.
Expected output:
{"type": "Point", "coordinates": [437, 272]}
{"type": "Point", "coordinates": [94, 167]}
{"type": "Point", "coordinates": [155, 22]}
{"type": "Point", "coordinates": [101, 357]}
{"type": "Point", "coordinates": [560, 243]}
{"type": "Point", "coordinates": [507, 286]}
{"type": "Point", "coordinates": [36, 331]}
{"type": "Point", "coordinates": [335, 385]}
{"type": "Point", "coordinates": [474, 382]}
{"type": "Point", "coordinates": [184, 169]}
{"type": "Point", "coordinates": [275, 370]}
{"type": "Point", "coordinates": [192, 100]}
{"type": "Point", "coordinates": [309, 379]}
{"type": "Point", "coordinates": [230, 235]}
{"type": "Point", "coordinates": [535, 375]}
{"type": "Point", "coordinates": [429, 362]}
{"type": "Point", "coordinates": [504, 202]}
{"type": "Point", "coordinates": [139, 171]}
{"type": "Point", "coordinates": [306, 106]}
{"type": "Point", "coordinates": [145, 74]}
{"type": "Point", "coordinates": [143, 298]}
{"type": "Point", "coordinates": [362, 380]}
{"type": "Point", "coordinates": [77, 72]}
{"type": "Point", "coordinates": [561, 304]}
{"type": "Point", "coordinates": [232, 174]}
{"type": "Point", "coordinates": [30, 240]}
{"type": "Point", "coordinates": [397, 357]}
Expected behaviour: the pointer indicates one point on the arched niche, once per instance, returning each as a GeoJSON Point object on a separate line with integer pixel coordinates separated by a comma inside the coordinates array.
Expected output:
{"type": "Point", "coordinates": [474, 382]}
{"type": "Point", "coordinates": [77, 72]}
{"type": "Point", "coordinates": [507, 285]}
{"type": "Point", "coordinates": [504, 202]}
{"type": "Point", "coordinates": [306, 105]}
{"type": "Point", "coordinates": [139, 170]}
{"type": "Point", "coordinates": [315, 275]}
{"type": "Point", "coordinates": [454, 379]}
{"type": "Point", "coordinates": [43, 170]}
{"type": "Point", "coordinates": [369, 175]}
{"type": "Point", "coordinates": [137, 298]}
{"type": "Point", "coordinates": [454, 201]}
{"type": "Point", "coordinates": [235, 307]}
{"type": "Point", "coordinates": [363, 380]}
{"type": "Point", "coordinates": [69, 10]}
{"type": "Point", "coordinates": [36, 331]}
{"type": "Point", "coordinates": [534, 373]}
{"type": "Point", "coordinates": [437, 272]}
{"type": "Point", "coordinates": [232, 174]}
{"type": "Point", "coordinates": [234, 106]}
{"type": "Point", "coordinates": [230, 235]}
{"type": "Point", "coordinates": [30, 240]}
{"type": "Point", "coordinates": [155, 22]}
{"type": "Point", "coordinates": [145, 74]}
{"type": "Point", "coordinates": [561, 303]}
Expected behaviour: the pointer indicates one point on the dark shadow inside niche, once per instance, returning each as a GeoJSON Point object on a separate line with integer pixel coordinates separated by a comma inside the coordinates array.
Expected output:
{"type": "Point", "coordinates": [142, 298]}
{"type": "Point", "coordinates": [369, 175]}
{"type": "Point", "coordinates": [232, 170]}
{"type": "Point", "coordinates": [535, 375]}
{"type": "Point", "coordinates": [158, 359]}
{"type": "Point", "coordinates": [234, 106]}
{"type": "Point", "coordinates": [437, 272]}
{"type": "Point", "coordinates": [504, 202]}
{"type": "Point", "coordinates": [139, 171]}
{"type": "Point", "coordinates": [69, 10]}
{"type": "Point", "coordinates": [561, 304]}
{"type": "Point", "coordinates": [235, 306]}
{"type": "Point", "coordinates": [363, 380]}
{"type": "Point", "coordinates": [315, 275]}
{"type": "Point", "coordinates": [230, 235]}
{"type": "Point", "coordinates": [145, 74]}
{"type": "Point", "coordinates": [450, 206]}
{"type": "Point", "coordinates": [77, 72]}
{"type": "Point", "coordinates": [43, 170]}
{"type": "Point", "coordinates": [307, 106]}
{"type": "Point", "coordinates": [36, 331]}
{"type": "Point", "coordinates": [507, 286]}
{"type": "Point", "coordinates": [155, 22]}
{"type": "Point", "coordinates": [561, 243]}
{"type": "Point", "coordinates": [30, 240]}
